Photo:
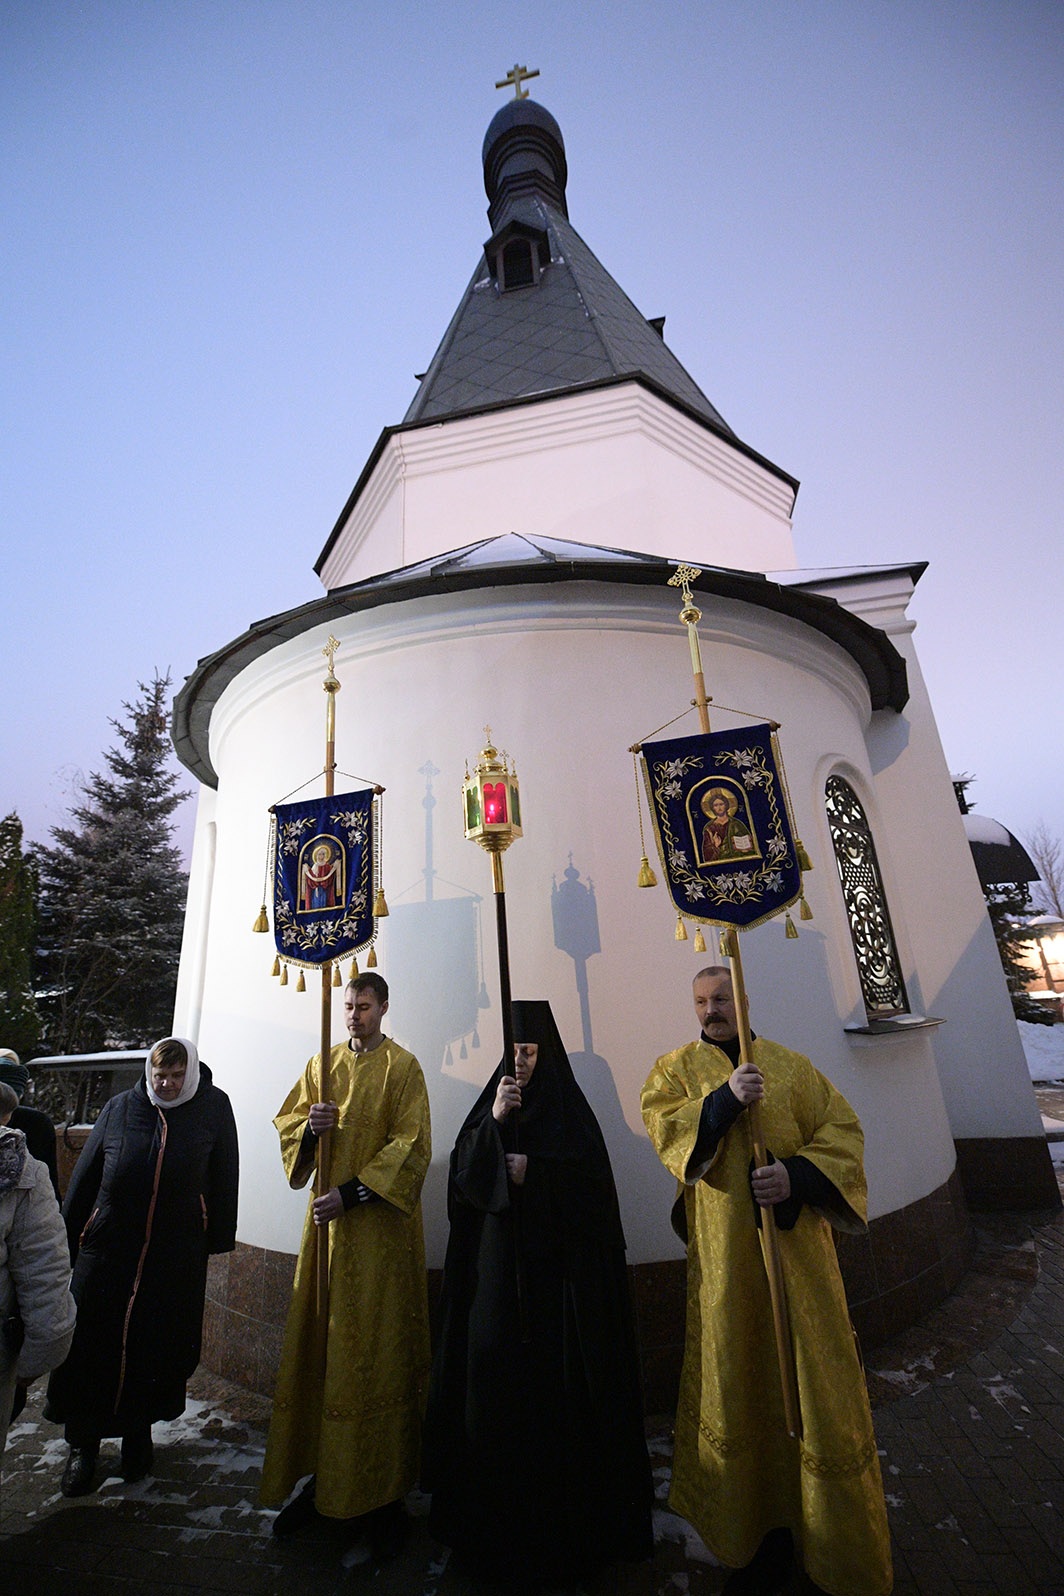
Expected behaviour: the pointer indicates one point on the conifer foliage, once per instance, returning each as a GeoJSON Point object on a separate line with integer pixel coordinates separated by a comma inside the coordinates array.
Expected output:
{"type": "Point", "coordinates": [112, 895]}
{"type": "Point", "coordinates": [20, 1024]}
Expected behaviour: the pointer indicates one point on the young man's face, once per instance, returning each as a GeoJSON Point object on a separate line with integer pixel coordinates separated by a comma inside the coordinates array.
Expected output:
{"type": "Point", "coordinates": [363, 1013]}
{"type": "Point", "coordinates": [715, 1007]}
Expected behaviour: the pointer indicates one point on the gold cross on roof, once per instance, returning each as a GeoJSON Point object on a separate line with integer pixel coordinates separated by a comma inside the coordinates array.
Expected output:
{"type": "Point", "coordinates": [329, 650]}
{"type": "Point", "coordinates": [515, 77]}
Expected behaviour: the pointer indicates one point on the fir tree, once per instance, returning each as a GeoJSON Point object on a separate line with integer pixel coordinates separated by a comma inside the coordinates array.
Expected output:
{"type": "Point", "coordinates": [20, 1023]}
{"type": "Point", "coordinates": [112, 895]}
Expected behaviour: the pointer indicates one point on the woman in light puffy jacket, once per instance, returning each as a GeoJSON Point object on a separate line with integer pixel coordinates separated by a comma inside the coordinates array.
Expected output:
{"type": "Point", "coordinates": [36, 1308]}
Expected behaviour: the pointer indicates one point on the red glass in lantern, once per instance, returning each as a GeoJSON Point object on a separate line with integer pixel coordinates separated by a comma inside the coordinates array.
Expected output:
{"type": "Point", "coordinates": [495, 803]}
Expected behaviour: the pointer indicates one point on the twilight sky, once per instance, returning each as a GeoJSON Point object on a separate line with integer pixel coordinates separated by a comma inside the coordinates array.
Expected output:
{"type": "Point", "coordinates": [234, 229]}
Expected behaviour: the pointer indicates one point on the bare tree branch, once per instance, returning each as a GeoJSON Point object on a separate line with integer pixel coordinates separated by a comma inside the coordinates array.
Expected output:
{"type": "Point", "coordinates": [1046, 849]}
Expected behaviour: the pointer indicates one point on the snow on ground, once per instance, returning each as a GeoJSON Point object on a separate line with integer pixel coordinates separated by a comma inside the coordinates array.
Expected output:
{"type": "Point", "coordinates": [1043, 1047]}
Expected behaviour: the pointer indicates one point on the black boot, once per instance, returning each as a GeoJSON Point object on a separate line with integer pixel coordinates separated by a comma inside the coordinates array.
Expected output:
{"type": "Point", "coordinates": [387, 1532]}
{"type": "Point", "coordinates": [137, 1455]}
{"type": "Point", "coordinates": [299, 1513]}
{"type": "Point", "coordinates": [80, 1470]}
{"type": "Point", "coordinates": [769, 1569]}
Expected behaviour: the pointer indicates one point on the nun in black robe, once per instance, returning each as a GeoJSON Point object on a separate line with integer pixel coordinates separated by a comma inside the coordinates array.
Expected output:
{"type": "Point", "coordinates": [534, 1444]}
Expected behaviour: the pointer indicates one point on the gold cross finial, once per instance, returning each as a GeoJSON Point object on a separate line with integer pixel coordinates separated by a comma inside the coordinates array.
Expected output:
{"type": "Point", "coordinates": [515, 77]}
{"type": "Point", "coordinates": [329, 650]}
{"type": "Point", "coordinates": [683, 577]}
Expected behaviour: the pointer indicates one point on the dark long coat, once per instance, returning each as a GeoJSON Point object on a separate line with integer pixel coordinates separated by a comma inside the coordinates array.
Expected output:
{"type": "Point", "coordinates": [153, 1194]}
{"type": "Point", "coordinates": [534, 1448]}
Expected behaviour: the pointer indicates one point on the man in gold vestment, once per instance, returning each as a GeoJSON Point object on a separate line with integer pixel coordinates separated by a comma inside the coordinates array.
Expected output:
{"type": "Point", "coordinates": [348, 1409]}
{"type": "Point", "coordinates": [757, 1496]}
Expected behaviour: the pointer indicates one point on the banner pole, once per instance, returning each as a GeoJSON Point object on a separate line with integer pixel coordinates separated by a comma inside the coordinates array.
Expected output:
{"type": "Point", "coordinates": [322, 1183]}
{"type": "Point", "coordinates": [690, 615]}
{"type": "Point", "coordinates": [777, 1290]}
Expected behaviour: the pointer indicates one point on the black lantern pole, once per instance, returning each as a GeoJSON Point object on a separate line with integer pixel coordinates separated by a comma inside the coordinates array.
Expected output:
{"type": "Point", "coordinates": [493, 820]}
{"type": "Point", "coordinates": [492, 807]}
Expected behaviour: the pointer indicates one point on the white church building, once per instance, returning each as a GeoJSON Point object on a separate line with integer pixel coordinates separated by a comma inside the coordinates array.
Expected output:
{"type": "Point", "coordinates": [553, 623]}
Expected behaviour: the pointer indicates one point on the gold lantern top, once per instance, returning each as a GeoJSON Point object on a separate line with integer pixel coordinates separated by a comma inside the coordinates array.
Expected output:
{"type": "Point", "coordinates": [492, 800]}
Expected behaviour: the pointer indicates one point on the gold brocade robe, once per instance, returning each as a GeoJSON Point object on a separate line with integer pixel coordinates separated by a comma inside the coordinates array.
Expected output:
{"type": "Point", "coordinates": [353, 1416]}
{"type": "Point", "coordinates": [736, 1471]}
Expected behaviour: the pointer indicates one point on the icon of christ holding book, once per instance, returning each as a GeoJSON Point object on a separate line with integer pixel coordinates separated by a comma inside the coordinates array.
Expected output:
{"type": "Point", "coordinates": [724, 835]}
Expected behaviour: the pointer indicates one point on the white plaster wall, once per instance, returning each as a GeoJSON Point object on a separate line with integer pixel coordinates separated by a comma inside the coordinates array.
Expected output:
{"type": "Point", "coordinates": [941, 915]}
{"type": "Point", "coordinates": [617, 467]}
{"type": "Point", "coordinates": [567, 679]}
{"type": "Point", "coordinates": [192, 973]}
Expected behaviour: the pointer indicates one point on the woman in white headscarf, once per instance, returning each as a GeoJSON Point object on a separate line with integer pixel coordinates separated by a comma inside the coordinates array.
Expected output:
{"type": "Point", "coordinates": [153, 1194]}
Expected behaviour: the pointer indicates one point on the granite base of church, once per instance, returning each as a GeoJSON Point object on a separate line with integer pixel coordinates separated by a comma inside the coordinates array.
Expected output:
{"type": "Point", "coordinates": [907, 1262]}
{"type": "Point", "coordinates": [1007, 1174]}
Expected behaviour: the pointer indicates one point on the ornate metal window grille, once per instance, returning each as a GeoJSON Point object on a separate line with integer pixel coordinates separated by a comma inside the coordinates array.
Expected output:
{"type": "Point", "coordinates": [874, 947]}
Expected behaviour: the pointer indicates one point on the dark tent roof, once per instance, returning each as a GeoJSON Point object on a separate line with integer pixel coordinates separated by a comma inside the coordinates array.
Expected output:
{"type": "Point", "coordinates": [570, 327]}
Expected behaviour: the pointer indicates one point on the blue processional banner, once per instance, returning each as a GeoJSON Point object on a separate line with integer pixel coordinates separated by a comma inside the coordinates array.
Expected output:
{"type": "Point", "coordinates": [722, 824]}
{"type": "Point", "coordinates": [323, 877]}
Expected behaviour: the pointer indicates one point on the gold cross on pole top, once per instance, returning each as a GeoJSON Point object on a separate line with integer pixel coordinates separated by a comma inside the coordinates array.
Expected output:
{"type": "Point", "coordinates": [329, 650]}
{"type": "Point", "coordinates": [515, 77]}
{"type": "Point", "coordinates": [683, 576]}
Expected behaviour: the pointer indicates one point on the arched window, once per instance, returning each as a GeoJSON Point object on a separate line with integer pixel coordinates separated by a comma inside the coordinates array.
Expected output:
{"type": "Point", "coordinates": [874, 948]}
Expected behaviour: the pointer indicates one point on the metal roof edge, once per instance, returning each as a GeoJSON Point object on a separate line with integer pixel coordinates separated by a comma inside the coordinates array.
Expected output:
{"type": "Point", "coordinates": [831, 576]}
{"type": "Point", "coordinates": [879, 661]}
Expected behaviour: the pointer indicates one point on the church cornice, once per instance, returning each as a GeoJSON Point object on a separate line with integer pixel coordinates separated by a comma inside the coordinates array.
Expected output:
{"type": "Point", "coordinates": [636, 380]}
{"type": "Point", "coordinates": [880, 662]}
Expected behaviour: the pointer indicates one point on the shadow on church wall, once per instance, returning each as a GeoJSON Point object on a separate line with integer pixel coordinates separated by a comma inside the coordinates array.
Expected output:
{"type": "Point", "coordinates": [637, 1170]}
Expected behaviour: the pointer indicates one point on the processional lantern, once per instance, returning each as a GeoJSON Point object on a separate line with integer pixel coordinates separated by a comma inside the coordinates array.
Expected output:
{"type": "Point", "coordinates": [491, 807]}
{"type": "Point", "coordinates": [491, 804]}
{"type": "Point", "coordinates": [492, 801]}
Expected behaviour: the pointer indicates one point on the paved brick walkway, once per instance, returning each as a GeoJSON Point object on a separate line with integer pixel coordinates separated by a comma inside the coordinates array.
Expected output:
{"type": "Point", "coordinates": [969, 1410]}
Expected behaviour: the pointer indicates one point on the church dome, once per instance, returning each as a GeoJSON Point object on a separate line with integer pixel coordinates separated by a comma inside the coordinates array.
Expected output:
{"type": "Point", "coordinates": [523, 154]}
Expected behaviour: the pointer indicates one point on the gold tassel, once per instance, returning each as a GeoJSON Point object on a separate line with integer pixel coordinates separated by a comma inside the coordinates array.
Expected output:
{"type": "Point", "coordinates": [352, 974]}
{"type": "Point", "coordinates": [804, 861]}
{"type": "Point", "coordinates": [276, 965]}
{"type": "Point", "coordinates": [284, 975]}
{"type": "Point", "coordinates": [806, 912]}
{"type": "Point", "coordinates": [337, 977]}
{"type": "Point", "coordinates": [371, 962]}
{"type": "Point", "coordinates": [792, 929]}
{"type": "Point", "coordinates": [380, 906]}
{"type": "Point", "coordinates": [261, 922]}
{"type": "Point", "coordinates": [700, 941]}
{"type": "Point", "coordinates": [647, 878]}
{"type": "Point", "coordinates": [301, 985]}
{"type": "Point", "coordinates": [681, 929]}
